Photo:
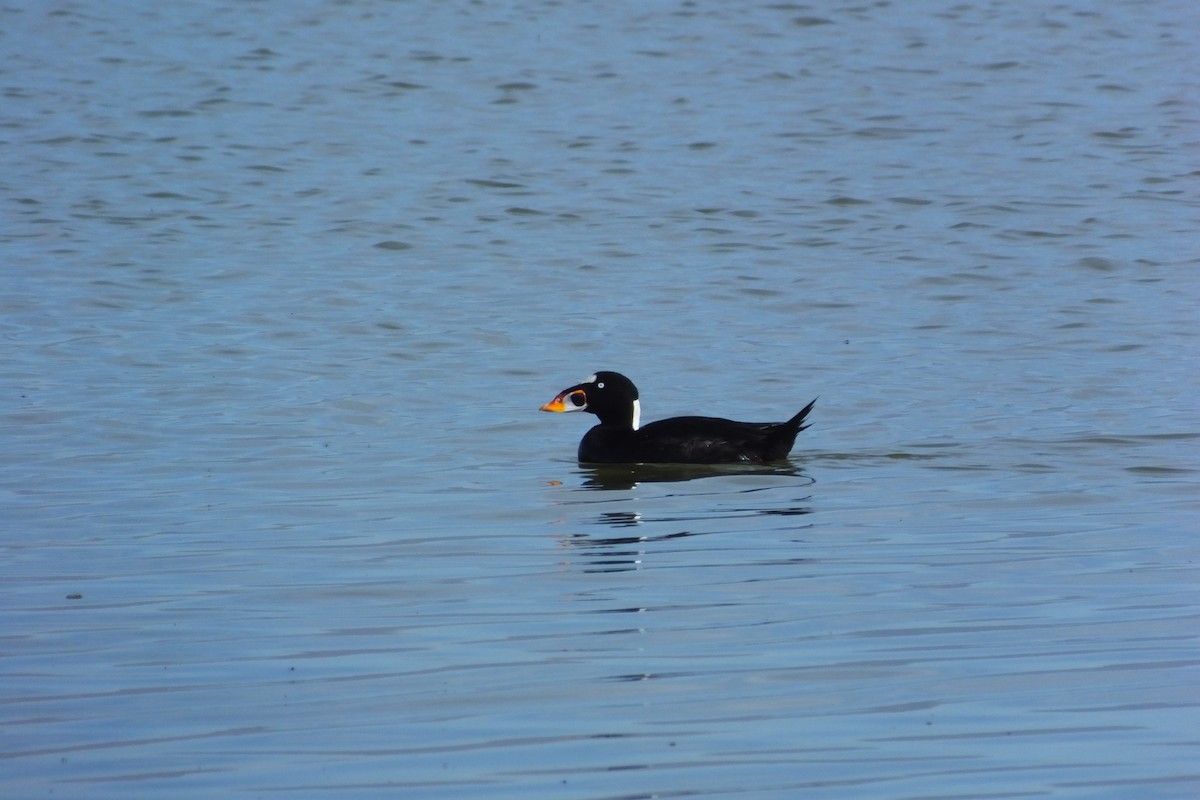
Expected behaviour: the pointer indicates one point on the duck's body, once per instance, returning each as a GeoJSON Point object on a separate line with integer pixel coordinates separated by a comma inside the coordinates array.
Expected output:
{"type": "Point", "coordinates": [618, 439]}
{"type": "Point", "coordinates": [692, 440]}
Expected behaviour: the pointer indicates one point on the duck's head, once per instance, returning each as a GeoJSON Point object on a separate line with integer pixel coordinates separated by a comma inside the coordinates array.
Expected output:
{"type": "Point", "coordinates": [609, 395]}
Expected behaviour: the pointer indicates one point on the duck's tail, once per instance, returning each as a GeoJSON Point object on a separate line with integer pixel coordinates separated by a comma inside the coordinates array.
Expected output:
{"type": "Point", "coordinates": [796, 423]}
{"type": "Point", "coordinates": [783, 435]}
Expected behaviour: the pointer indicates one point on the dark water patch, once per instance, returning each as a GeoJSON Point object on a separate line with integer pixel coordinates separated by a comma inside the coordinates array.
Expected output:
{"type": "Point", "coordinates": [1164, 471]}
{"type": "Point", "coordinates": [484, 183]}
{"type": "Point", "coordinates": [165, 113]}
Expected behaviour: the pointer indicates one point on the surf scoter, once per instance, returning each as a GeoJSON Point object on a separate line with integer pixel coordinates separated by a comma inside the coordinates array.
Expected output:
{"type": "Point", "coordinates": [619, 438]}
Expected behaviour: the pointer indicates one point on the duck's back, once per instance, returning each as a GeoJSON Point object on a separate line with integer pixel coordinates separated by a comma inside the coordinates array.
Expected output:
{"type": "Point", "coordinates": [689, 440]}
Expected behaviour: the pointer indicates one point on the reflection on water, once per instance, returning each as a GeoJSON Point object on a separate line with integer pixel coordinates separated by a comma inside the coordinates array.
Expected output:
{"type": "Point", "coordinates": [615, 553]}
{"type": "Point", "coordinates": [666, 514]}
{"type": "Point", "coordinates": [627, 476]}
{"type": "Point", "coordinates": [620, 519]}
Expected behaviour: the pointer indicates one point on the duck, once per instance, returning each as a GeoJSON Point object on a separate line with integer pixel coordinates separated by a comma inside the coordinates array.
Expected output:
{"type": "Point", "coordinates": [620, 437]}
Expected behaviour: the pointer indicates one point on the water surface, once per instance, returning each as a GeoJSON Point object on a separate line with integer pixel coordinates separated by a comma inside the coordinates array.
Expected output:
{"type": "Point", "coordinates": [286, 283]}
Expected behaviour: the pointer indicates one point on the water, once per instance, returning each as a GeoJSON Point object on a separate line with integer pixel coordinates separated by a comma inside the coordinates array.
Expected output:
{"type": "Point", "coordinates": [284, 286]}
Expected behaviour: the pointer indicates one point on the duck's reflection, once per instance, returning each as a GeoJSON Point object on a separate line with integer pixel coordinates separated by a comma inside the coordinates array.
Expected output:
{"type": "Point", "coordinates": [615, 477]}
{"type": "Point", "coordinates": [633, 535]}
{"type": "Point", "coordinates": [620, 519]}
{"type": "Point", "coordinates": [615, 553]}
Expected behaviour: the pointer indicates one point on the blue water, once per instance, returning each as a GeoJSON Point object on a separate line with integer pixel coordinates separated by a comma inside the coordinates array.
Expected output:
{"type": "Point", "coordinates": [284, 285]}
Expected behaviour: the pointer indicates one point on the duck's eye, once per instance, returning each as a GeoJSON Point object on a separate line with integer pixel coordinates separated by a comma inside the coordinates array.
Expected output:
{"type": "Point", "coordinates": [578, 398]}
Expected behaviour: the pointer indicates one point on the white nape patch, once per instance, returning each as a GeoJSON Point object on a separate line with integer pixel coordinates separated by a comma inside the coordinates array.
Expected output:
{"type": "Point", "coordinates": [637, 414]}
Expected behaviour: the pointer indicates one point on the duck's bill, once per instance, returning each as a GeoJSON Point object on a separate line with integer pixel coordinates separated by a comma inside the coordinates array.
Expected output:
{"type": "Point", "coordinates": [570, 400]}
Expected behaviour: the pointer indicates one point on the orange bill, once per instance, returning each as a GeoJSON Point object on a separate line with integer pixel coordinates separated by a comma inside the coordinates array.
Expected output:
{"type": "Point", "coordinates": [559, 403]}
